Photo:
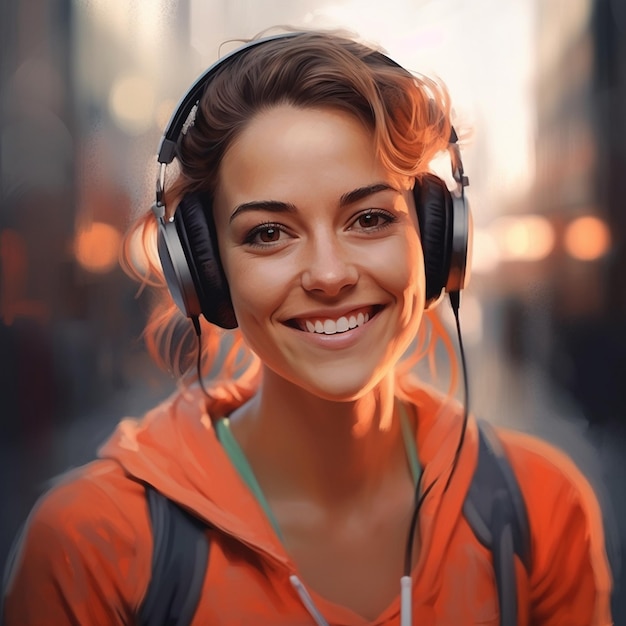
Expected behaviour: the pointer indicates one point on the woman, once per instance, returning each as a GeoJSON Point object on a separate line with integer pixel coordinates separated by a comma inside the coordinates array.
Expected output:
{"type": "Point", "coordinates": [301, 215]}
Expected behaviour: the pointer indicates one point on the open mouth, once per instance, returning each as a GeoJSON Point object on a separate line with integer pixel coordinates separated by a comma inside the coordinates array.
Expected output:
{"type": "Point", "coordinates": [330, 326]}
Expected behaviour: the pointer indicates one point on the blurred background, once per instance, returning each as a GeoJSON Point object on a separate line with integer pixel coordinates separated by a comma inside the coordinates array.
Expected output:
{"type": "Point", "coordinates": [86, 88]}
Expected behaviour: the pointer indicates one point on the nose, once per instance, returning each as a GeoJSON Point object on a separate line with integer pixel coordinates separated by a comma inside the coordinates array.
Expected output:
{"type": "Point", "coordinates": [329, 266]}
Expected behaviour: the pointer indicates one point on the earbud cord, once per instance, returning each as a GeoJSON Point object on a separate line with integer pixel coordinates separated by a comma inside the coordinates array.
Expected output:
{"type": "Point", "coordinates": [405, 581]}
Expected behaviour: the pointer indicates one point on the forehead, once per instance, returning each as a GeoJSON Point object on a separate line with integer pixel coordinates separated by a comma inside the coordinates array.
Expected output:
{"type": "Point", "coordinates": [293, 151]}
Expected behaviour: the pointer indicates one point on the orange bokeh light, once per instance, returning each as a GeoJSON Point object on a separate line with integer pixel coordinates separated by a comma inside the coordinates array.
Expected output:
{"type": "Point", "coordinates": [587, 238]}
{"type": "Point", "coordinates": [523, 237]}
{"type": "Point", "coordinates": [97, 246]}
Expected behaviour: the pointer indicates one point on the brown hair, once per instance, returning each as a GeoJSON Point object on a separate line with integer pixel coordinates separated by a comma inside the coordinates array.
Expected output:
{"type": "Point", "coordinates": [408, 115]}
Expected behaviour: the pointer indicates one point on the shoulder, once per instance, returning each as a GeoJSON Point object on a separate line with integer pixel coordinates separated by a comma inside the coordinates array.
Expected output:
{"type": "Point", "coordinates": [570, 576]}
{"type": "Point", "coordinates": [558, 496]}
{"type": "Point", "coordinates": [97, 494]}
{"type": "Point", "coordinates": [545, 472]}
{"type": "Point", "coordinates": [86, 544]}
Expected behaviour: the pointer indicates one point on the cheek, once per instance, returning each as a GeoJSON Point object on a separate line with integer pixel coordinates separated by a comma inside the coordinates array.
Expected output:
{"type": "Point", "coordinates": [410, 278]}
{"type": "Point", "coordinates": [257, 285]}
{"type": "Point", "coordinates": [409, 274]}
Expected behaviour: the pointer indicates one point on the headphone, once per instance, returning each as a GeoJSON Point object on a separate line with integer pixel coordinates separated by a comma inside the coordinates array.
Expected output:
{"type": "Point", "coordinates": [187, 241]}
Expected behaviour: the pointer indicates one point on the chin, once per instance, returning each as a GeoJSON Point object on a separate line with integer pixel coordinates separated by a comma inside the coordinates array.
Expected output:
{"type": "Point", "coordinates": [336, 386]}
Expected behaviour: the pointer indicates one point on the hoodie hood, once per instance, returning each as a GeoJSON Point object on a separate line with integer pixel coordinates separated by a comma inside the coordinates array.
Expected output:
{"type": "Point", "coordinates": [174, 448]}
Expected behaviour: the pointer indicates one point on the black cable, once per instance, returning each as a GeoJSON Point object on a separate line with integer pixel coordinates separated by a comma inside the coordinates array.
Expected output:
{"type": "Point", "coordinates": [408, 557]}
{"type": "Point", "coordinates": [196, 325]}
{"type": "Point", "coordinates": [454, 303]}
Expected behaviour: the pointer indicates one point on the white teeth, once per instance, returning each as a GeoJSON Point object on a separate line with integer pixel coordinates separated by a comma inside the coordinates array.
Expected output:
{"type": "Point", "coordinates": [342, 325]}
{"type": "Point", "coordinates": [332, 327]}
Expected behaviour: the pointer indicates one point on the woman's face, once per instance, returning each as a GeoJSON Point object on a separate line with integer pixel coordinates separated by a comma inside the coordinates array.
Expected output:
{"type": "Point", "coordinates": [320, 247]}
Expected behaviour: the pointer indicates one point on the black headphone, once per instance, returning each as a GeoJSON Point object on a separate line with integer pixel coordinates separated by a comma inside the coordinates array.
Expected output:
{"type": "Point", "coordinates": [187, 242]}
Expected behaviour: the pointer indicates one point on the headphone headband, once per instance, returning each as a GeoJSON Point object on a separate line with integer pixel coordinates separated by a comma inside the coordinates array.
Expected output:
{"type": "Point", "coordinates": [168, 144]}
{"type": "Point", "coordinates": [173, 130]}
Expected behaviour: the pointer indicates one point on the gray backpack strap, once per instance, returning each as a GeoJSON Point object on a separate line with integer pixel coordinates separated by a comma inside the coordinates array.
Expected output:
{"type": "Point", "coordinates": [495, 510]}
{"type": "Point", "coordinates": [179, 560]}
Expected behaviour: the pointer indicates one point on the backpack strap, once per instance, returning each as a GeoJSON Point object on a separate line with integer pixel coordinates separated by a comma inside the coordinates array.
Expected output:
{"type": "Point", "coordinates": [179, 560]}
{"type": "Point", "coordinates": [495, 510]}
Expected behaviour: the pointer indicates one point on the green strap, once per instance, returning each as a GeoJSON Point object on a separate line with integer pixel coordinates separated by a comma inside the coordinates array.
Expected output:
{"type": "Point", "coordinates": [238, 458]}
{"type": "Point", "coordinates": [409, 444]}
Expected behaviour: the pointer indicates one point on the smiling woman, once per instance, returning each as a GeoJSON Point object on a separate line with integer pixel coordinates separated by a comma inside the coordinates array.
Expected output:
{"type": "Point", "coordinates": [350, 249]}
{"type": "Point", "coordinates": [305, 229]}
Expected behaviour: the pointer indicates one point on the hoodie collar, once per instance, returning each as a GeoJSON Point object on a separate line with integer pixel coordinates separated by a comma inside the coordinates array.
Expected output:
{"type": "Point", "coordinates": [174, 448]}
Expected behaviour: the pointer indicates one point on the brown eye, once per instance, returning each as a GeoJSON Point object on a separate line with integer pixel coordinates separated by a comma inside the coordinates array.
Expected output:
{"type": "Point", "coordinates": [373, 221]}
{"type": "Point", "coordinates": [265, 235]}
{"type": "Point", "coordinates": [269, 234]}
{"type": "Point", "coordinates": [369, 220]}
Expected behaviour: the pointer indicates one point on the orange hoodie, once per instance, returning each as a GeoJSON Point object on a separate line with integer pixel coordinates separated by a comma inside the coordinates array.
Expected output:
{"type": "Point", "coordinates": [85, 557]}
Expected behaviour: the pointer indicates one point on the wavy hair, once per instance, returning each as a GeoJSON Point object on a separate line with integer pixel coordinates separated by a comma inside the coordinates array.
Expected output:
{"type": "Point", "coordinates": [409, 116]}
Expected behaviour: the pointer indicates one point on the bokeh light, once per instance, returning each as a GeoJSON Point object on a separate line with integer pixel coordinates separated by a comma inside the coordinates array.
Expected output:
{"type": "Point", "coordinates": [587, 238]}
{"type": "Point", "coordinates": [132, 103]}
{"type": "Point", "coordinates": [97, 247]}
{"type": "Point", "coordinates": [523, 237]}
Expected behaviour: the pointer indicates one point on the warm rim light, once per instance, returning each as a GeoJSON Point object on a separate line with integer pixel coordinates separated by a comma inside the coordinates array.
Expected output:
{"type": "Point", "coordinates": [142, 256]}
{"type": "Point", "coordinates": [587, 238]}
{"type": "Point", "coordinates": [97, 246]}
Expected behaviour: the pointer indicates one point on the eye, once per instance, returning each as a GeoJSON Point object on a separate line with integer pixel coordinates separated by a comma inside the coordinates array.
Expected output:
{"type": "Point", "coordinates": [268, 234]}
{"type": "Point", "coordinates": [374, 220]}
{"type": "Point", "coordinates": [265, 234]}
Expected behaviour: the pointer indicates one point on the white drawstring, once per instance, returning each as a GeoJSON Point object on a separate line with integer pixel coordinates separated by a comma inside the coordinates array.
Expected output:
{"type": "Point", "coordinates": [405, 601]}
{"type": "Point", "coordinates": [307, 601]}
{"type": "Point", "coordinates": [406, 608]}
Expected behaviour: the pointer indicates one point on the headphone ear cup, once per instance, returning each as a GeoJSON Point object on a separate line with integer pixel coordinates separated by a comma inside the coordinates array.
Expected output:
{"type": "Point", "coordinates": [433, 203]}
{"type": "Point", "coordinates": [446, 233]}
{"type": "Point", "coordinates": [190, 259]}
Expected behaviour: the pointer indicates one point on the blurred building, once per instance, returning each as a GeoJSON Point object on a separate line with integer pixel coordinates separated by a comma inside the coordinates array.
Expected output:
{"type": "Point", "coordinates": [580, 159]}
{"type": "Point", "coordinates": [37, 198]}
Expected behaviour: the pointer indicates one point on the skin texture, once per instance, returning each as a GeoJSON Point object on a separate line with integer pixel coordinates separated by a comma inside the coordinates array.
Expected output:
{"type": "Point", "coordinates": [295, 246]}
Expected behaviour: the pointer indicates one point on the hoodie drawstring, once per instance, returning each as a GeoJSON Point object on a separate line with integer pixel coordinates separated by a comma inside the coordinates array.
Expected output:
{"type": "Point", "coordinates": [307, 601]}
{"type": "Point", "coordinates": [405, 601]}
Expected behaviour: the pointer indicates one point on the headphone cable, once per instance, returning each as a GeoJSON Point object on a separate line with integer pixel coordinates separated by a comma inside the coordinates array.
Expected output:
{"type": "Point", "coordinates": [454, 303]}
{"type": "Point", "coordinates": [405, 581]}
{"type": "Point", "coordinates": [195, 320]}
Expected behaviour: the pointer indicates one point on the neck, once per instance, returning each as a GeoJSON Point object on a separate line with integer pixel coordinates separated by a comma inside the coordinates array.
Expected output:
{"type": "Point", "coordinates": [334, 452]}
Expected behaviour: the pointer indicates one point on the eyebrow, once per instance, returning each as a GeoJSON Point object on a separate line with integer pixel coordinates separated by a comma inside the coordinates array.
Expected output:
{"type": "Point", "coordinates": [276, 206]}
{"type": "Point", "coordinates": [363, 192]}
